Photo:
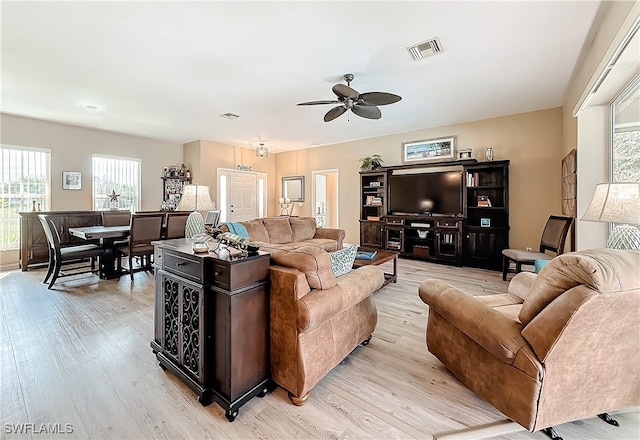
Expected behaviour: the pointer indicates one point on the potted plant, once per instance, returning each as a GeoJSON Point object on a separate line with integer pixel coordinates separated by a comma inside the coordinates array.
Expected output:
{"type": "Point", "coordinates": [371, 163]}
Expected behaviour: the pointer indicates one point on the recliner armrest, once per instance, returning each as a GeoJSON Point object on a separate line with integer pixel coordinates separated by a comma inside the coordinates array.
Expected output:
{"type": "Point", "coordinates": [330, 233]}
{"type": "Point", "coordinates": [494, 331]}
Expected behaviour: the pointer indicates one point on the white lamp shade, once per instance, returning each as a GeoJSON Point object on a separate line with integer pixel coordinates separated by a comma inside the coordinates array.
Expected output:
{"type": "Point", "coordinates": [615, 202]}
{"type": "Point", "coordinates": [195, 198]}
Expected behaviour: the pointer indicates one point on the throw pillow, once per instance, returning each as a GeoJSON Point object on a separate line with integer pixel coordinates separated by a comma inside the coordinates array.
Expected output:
{"type": "Point", "coordinates": [342, 260]}
{"type": "Point", "coordinates": [304, 228]}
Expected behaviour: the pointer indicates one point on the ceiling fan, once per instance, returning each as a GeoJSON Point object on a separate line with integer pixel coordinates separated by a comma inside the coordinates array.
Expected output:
{"type": "Point", "coordinates": [362, 104]}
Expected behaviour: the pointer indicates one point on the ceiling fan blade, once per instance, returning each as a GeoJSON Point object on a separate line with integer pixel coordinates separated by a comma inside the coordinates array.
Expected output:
{"type": "Point", "coordinates": [343, 91]}
{"type": "Point", "coordinates": [378, 98]}
{"type": "Point", "coordinates": [367, 111]}
{"type": "Point", "coordinates": [334, 113]}
{"type": "Point", "coordinates": [319, 102]}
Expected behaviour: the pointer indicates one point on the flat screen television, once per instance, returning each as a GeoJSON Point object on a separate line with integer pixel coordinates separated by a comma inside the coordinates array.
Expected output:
{"type": "Point", "coordinates": [438, 193]}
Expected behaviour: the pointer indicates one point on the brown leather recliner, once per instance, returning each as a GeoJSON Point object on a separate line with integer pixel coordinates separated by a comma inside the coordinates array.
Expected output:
{"type": "Point", "coordinates": [316, 319]}
{"type": "Point", "coordinates": [560, 346]}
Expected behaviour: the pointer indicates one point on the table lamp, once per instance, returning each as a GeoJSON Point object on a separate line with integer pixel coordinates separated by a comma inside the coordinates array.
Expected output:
{"type": "Point", "coordinates": [617, 202]}
{"type": "Point", "coordinates": [195, 198]}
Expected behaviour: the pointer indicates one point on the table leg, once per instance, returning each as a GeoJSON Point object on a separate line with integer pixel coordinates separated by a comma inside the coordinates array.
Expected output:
{"type": "Point", "coordinates": [108, 270]}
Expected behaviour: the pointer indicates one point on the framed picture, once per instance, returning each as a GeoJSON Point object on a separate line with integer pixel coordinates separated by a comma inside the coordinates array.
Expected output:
{"type": "Point", "coordinates": [293, 188]}
{"type": "Point", "coordinates": [428, 150]}
{"type": "Point", "coordinates": [71, 180]}
{"type": "Point", "coordinates": [464, 154]}
{"type": "Point", "coordinates": [485, 222]}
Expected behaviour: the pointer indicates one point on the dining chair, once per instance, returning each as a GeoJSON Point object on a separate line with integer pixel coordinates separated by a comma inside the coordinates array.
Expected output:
{"type": "Point", "coordinates": [553, 238]}
{"type": "Point", "coordinates": [59, 256]}
{"type": "Point", "coordinates": [116, 218]}
{"type": "Point", "coordinates": [144, 229]}
{"type": "Point", "coordinates": [175, 224]}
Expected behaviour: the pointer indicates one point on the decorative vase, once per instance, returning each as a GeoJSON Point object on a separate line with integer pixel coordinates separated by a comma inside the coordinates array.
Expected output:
{"type": "Point", "coordinates": [488, 154]}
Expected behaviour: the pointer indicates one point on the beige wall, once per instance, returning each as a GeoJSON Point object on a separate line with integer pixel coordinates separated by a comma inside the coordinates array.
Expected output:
{"type": "Point", "coordinates": [205, 157]}
{"type": "Point", "coordinates": [71, 150]}
{"type": "Point", "coordinates": [532, 141]}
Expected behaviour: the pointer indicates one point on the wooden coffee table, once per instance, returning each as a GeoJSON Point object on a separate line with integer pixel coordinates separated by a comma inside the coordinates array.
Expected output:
{"type": "Point", "coordinates": [382, 257]}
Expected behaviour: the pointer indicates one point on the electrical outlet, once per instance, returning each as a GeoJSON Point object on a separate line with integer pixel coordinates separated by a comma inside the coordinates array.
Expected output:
{"type": "Point", "coordinates": [528, 248]}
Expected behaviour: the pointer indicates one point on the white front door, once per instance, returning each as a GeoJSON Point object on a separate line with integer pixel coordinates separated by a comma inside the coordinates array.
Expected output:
{"type": "Point", "coordinates": [243, 200]}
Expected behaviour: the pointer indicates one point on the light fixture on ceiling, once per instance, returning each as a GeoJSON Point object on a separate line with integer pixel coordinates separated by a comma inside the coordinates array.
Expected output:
{"type": "Point", "coordinates": [91, 107]}
{"type": "Point", "coordinates": [229, 116]}
{"type": "Point", "coordinates": [262, 149]}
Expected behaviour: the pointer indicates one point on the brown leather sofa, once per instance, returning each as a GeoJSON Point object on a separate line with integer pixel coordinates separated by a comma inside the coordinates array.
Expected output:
{"type": "Point", "coordinates": [316, 319]}
{"type": "Point", "coordinates": [289, 233]}
{"type": "Point", "coordinates": [560, 346]}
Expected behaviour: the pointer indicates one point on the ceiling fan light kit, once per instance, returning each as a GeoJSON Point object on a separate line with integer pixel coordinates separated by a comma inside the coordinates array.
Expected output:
{"type": "Point", "coordinates": [361, 104]}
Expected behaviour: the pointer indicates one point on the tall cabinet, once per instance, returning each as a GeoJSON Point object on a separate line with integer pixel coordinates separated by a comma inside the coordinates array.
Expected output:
{"type": "Point", "coordinates": [486, 214]}
{"type": "Point", "coordinates": [373, 207]}
{"type": "Point", "coordinates": [172, 188]}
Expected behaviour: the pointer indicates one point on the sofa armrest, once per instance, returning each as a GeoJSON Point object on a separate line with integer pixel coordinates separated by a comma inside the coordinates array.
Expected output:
{"type": "Point", "coordinates": [333, 234]}
{"type": "Point", "coordinates": [494, 331]}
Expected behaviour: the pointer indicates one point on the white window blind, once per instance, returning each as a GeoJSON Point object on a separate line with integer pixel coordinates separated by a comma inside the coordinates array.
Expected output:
{"type": "Point", "coordinates": [26, 182]}
{"type": "Point", "coordinates": [119, 176]}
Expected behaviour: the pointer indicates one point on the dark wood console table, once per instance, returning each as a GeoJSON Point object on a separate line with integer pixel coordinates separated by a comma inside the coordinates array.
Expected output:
{"type": "Point", "coordinates": [212, 322]}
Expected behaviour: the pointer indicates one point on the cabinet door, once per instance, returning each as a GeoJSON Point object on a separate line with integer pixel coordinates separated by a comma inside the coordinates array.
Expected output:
{"type": "Point", "coordinates": [191, 331]}
{"type": "Point", "coordinates": [483, 248]}
{"type": "Point", "coordinates": [371, 234]}
{"type": "Point", "coordinates": [171, 317]}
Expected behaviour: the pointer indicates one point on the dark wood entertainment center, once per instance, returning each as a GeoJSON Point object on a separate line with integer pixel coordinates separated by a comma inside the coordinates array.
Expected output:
{"type": "Point", "coordinates": [474, 238]}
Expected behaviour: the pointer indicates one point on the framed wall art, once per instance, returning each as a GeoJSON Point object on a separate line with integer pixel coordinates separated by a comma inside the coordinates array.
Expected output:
{"type": "Point", "coordinates": [293, 188]}
{"type": "Point", "coordinates": [428, 150]}
{"type": "Point", "coordinates": [71, 180]}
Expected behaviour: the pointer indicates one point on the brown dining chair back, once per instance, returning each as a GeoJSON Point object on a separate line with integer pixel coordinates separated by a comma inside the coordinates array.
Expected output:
{"type": "Point", "coordinates": [553, 238]}
{"type": "Point", "coordinates": [116, 218]}
{"type": "Point", "coordinates": [144, 229]}
{"type": "Point", "coordinates": [176, 222]}
{"type": "Point", "coordinates": [59, 256]}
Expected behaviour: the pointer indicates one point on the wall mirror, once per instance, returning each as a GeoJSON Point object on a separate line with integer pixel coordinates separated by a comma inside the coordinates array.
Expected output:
{"type": "Point", "coordinates": [293, 188]}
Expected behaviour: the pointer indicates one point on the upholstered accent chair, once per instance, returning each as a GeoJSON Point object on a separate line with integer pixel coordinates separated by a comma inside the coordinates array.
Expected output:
{"type": "Point", "coordinates": [553, 238]}
{"type": "Point", "coordinates": [561, 345]}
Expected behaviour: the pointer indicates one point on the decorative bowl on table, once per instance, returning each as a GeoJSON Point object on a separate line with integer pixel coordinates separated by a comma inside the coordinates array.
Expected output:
{"type": "Point", "coordinates": [200, 246]}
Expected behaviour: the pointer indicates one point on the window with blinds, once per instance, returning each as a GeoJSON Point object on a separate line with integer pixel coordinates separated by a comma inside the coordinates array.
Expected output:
{"type": "Point", "coordinates": [116, 183]}
{"type": "Point", "coordinates": [26, 183]}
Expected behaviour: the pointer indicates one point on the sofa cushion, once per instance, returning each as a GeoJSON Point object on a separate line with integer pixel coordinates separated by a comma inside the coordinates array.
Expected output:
{"type": "Point", "coordinates": [351, 289]}
{"type": "Point", "coordinates": [303, 228]}
{"type": "Point", "coordinates": [342, 260]}
{"type": "Point", "coordinates": [279, 229]}
{"type": "Point", "coordinates": [324, 243]}
{"type": "Point", "coordinates": [310, 260]}
{"type": "Point", "coordinates": [256, 231]}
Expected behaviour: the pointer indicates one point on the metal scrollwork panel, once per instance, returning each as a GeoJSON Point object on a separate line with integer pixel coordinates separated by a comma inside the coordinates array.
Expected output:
{"type": "Point", "coordinates": [191, 329]}
{"type": "Point", "coordinates": [171, 319]}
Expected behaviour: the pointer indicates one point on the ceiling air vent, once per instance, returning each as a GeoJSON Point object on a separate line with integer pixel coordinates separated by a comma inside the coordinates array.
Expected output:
{"type": "Point", "coordinates": [229, 116]}
{"type": "Point", "coordinates": [425, 49]}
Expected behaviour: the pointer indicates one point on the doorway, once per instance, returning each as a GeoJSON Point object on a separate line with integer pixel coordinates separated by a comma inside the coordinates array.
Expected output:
{"type": "Point", "coordinates": [325, 197]}
{"type": "Point", "coordinates": [241, 195]}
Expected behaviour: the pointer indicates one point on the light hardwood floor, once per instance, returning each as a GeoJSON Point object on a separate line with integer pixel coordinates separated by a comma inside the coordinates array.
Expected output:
{"type": "Point", "coordinates": [80, 355]}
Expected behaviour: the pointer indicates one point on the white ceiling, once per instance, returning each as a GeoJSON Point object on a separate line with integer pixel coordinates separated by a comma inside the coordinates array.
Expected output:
{"type": "Point", "coordinates": [167, 70]}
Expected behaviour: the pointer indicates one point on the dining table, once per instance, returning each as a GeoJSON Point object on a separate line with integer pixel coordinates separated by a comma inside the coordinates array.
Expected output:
{"type": "Point", "coordinates": [107, 235]}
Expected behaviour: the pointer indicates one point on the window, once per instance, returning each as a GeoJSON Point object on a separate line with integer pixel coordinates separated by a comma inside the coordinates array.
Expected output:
{"type": "Point", "coordinates": [625, 156]}
{"type": "Point", "coordinates": [26, 181]}
{"type": "Point", "coordinates": [116, 183]}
